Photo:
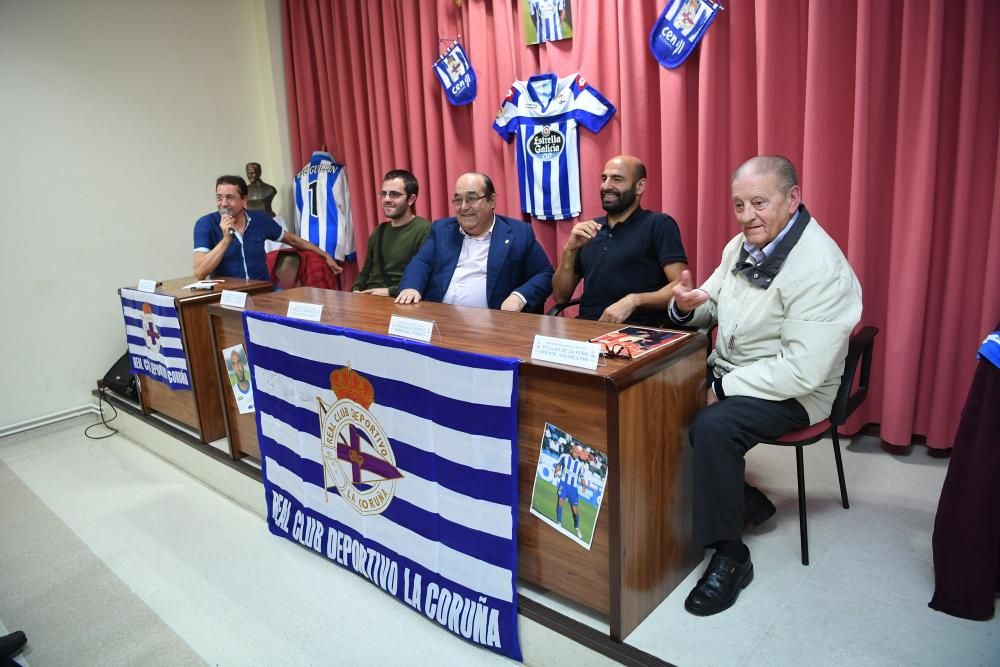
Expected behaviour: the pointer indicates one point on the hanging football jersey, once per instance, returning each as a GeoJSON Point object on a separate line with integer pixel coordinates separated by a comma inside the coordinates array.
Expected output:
{"type": "Point", "coordinates": [543, 112]}
{"type": "Point", "coordinates": [323, 206]}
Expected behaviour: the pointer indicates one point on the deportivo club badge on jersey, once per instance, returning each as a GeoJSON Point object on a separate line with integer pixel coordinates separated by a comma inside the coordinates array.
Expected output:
{"type": "Point", "coordinates": [457, 77]}
{"type": "Point", "coordinates": [681, 25]}
{"type": "Point", "coordinates": [357, 457]}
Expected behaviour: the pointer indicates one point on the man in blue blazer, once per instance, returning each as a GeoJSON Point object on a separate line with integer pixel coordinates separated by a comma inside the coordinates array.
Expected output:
{"type": "Point", "coordinates": [478, 258]}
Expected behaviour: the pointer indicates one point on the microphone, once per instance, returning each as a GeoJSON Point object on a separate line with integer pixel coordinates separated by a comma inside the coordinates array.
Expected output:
{"type": "Point", "coordinates": [225, 211]}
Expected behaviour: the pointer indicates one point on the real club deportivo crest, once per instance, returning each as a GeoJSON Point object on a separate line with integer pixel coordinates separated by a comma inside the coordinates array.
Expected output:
{"type": "Point", "coordinates": [357, 457]}
{"type": "Point", "coordinates": [149, 330]}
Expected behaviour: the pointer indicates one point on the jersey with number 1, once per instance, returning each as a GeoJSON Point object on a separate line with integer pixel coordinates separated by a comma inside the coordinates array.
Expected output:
{"type": "Point", "coordinates": [543, 112]}
{"type": "Point", "coordinates": [323, 206]}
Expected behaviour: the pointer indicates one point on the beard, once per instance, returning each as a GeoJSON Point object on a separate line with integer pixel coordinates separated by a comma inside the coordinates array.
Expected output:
{"type": "Point", "coordinates": [396, 212]}
{"type": "Point", "coordinates": [624, 200]}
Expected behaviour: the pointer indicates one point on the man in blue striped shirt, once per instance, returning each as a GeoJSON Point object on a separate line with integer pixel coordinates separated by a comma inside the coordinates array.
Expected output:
{"type": "Point", "coordinates": [230, 242]}
{"type": "Point", "coordinates": [569, 472]}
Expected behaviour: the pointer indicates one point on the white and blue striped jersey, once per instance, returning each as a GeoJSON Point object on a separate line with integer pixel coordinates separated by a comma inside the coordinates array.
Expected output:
{"type": "Point", "coordinates": [548, 18]}
{"type": "Point", "coordinates": [323, 206]}
{"type": "Point", "coordinates": [543, 112]}
{"type": "Point", "coordinates": [572, 470]}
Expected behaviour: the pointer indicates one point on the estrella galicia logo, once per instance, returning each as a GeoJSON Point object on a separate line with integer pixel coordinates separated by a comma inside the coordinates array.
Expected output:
{"type": "Point", "coordinates": [357, 457]}
{"type": "Point", "coordinates": [547, 143]}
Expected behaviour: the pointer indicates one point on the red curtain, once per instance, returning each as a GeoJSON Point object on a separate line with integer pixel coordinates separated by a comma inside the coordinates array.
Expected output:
{"type": "Point", "coordinates": [889, 108]}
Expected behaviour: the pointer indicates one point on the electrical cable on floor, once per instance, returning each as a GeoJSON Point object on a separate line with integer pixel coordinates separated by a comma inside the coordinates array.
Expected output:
{"type": "Point", "coordinates": [104, 422]}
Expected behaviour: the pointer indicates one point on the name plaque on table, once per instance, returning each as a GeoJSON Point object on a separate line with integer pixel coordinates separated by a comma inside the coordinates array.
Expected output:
{"type": "Point", "coordinates": [569, 352]}
{"type": "Point", "coordinates": [407, 327]}
{"type": "Point", "coordinates": [233, 298]}
{"type": "Point", "coordinates": [305, 311]}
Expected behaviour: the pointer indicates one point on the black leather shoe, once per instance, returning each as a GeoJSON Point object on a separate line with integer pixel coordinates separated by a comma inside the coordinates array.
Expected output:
{"type": "Point", "coordinates": [719, 587]}
{"type": "Point", "coordinates": [757, 508]}
{"type": "Point", "coordinates": [12, 643]}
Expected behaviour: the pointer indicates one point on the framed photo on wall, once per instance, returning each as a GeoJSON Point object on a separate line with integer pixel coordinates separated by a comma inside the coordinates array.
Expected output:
{"type": "Point", "coordinates": [547, 20]}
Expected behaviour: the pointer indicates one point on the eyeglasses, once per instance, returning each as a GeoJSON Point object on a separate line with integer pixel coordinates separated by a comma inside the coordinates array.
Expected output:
{"type": "Point", "coordinates": [615, 351]}
{"type": "Point", "coordinates": [391, 194]}
{"type": "Point", "coordinates": [459, 202]}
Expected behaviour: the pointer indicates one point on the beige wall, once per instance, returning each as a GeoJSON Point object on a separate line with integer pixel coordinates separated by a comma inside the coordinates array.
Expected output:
{"type": "Point", "coordinates": [116, 119]}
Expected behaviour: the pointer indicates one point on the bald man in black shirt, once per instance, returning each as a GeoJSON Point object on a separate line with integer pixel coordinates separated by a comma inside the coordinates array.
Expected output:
{"type": "Point", "coordinates": [629, 259]}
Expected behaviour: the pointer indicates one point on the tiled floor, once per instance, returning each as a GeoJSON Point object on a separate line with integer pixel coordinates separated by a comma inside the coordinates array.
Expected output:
{"type": "Point", "coordinates": [204, 576]}
{"type": "Point", "coordinates": [132, 537]}
{"type": "Point", "coordinates": [863, 598]}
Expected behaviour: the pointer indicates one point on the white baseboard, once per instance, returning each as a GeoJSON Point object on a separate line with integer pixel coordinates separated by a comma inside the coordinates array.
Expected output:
{"type": "Point", "coordinates": [45, 420]}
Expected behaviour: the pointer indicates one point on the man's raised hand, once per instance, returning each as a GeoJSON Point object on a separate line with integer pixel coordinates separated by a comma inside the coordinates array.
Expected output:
{"type": "Point", "coordinates": [686, 296]}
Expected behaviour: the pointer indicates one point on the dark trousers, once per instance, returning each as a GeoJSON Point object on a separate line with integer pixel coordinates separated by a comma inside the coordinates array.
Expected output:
{"type": "Point", "coordinates": [721, 435]}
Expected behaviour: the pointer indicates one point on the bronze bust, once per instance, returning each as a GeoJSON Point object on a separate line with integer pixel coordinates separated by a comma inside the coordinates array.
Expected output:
{"type": "Point", "coordinates": [259, 194]}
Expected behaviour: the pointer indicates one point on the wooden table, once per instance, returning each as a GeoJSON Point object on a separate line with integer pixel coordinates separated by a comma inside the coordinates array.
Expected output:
{"type": "Point", "coordinates": [198, 408]}
{"type": "Point", "coordinates": [637, 411]}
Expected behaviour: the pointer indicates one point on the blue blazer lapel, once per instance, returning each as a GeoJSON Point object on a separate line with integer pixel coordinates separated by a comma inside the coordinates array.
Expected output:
{"type": "Point", "coordinates": [452, 248]}
{"type": "Point", "coordinates": [500, 243]}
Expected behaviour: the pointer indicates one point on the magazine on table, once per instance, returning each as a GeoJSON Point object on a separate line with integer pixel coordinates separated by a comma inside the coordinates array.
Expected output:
{"type": "Point", "coordinates": [633, 342]}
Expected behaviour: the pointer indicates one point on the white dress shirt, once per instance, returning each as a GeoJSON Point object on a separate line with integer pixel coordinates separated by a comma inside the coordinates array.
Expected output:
{"type": "Point", "coordinates": [468, 283]}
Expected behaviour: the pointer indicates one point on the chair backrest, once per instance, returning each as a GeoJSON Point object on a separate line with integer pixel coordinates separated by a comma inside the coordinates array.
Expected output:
{"type": "Point", "coordinates": [859, 350]}
{"type": "Point", "coordinates": [559, 307]}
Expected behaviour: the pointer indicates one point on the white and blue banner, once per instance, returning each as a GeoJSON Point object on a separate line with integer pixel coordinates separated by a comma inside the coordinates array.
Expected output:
{"type": "Point", "coordinates": [680, 27]}
{"type": "Point", "coordinates": [397, 460]}
{"type": "Point", "coordinates": [456, 74]}
{"type": "Point", "coordinates": [153, 336]}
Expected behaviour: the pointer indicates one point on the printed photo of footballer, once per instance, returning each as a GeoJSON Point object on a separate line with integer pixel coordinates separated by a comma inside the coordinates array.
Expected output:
{"type": "Point", "coordinates": [569, 485]}
{"type": "Point", "coordinates": [546, 20]}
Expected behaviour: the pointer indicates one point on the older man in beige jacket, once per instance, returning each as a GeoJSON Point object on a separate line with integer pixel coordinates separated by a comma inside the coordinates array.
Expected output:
{"type": "Point", "coordinates": [785, 301]}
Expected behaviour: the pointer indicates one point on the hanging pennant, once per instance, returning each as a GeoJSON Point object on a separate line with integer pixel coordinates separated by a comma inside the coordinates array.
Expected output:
{"type": "Point", "coordinates": [679, 28]}
{"type": "Point", "coordinates": [456, 74]}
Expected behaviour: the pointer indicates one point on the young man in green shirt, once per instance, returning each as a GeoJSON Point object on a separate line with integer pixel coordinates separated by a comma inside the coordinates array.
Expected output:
{"type": "Point", "coordinates": [396, 241]}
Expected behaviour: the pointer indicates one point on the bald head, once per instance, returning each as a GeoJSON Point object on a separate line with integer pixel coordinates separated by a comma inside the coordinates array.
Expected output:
{"type": "Point", "coordinates": [770, 165]}
{"type": "Point", "coordinates": [253, 171]}
{"type": "Point", "coordinates": [480, 179]}
{"type": "Point", "coordinates": [237, 361]}
{"type": "Point", "coordinates": [630, 164]}
{"type": "Point", "coordinates": [475, 201]}
{"type": "Point", "coordinates": [622, 183]}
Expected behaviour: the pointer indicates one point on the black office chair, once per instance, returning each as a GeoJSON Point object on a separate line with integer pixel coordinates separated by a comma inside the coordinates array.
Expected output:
{"type": "Point", "coordinates": [859, 350]}
{"type": "Point", "coordinates": [559, 307]}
